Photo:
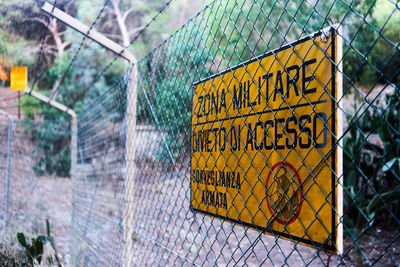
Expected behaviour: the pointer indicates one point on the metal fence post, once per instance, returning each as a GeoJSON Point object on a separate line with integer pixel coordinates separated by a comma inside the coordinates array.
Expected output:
{"type": "Point", "coordinates": [8, 173]}
{"type": "Point", "coordinates": [74, 146]}
{"type": "Point", "coordinates": [130, 164]}
{"type": "Point", "coordinates": [74, 160]}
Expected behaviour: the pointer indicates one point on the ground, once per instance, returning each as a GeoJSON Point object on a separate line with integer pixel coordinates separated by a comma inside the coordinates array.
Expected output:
{"type": "Point", "coordinates": [55, 199]}
{"type": "Point", "coordinates": [50, 199]}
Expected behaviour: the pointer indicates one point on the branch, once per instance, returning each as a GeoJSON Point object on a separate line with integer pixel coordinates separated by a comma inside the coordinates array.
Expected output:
{"type": "Point", "coordinates": [37, 20]}
{"type": "Point", "coordinates": [116, 3]}
{"type": "Point", "coordinates": [111, 10]}
{"type": "Point", "coordinates": [125, 15]}
{"type": "Point", "coordinates": [54, 47]}
{"type": "Point", "coordinates": [135, 30]}
{"type": "Point", "coordinates": [68, 6]}
{"type": "Point", "coordinates": [111, 35]}
{"type": "Point", "coordinates": [65, 45]}
{"type": "Point", "coordinates": [46, 39]}
{"type": "Point", "coordinates": [50, 52]}
{"type": "Point", "coordinates": [80, 96]}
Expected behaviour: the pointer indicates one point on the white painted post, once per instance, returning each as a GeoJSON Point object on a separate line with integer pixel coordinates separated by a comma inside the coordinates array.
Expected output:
{"type": "Point", "coordinates": [9, 157]}
{"type": "Point", "coordinates": [130, 165]}
{"type": "Point", "coordinates": [8, 171]}
{"type": "Point", "coordinates": [74, 146]}
{"type": "Point", "coordinates": [340, 118]}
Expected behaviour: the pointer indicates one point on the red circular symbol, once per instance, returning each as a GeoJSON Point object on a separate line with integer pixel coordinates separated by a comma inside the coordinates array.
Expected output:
{"type": "Point", "coordinates": [284, 193]}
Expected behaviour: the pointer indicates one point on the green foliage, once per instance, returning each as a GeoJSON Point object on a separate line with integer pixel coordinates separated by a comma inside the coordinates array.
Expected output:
{"type": "Point", "coordinates": [14, 15]}
{"type": "Point", "coordinates": [80, 77]}
{"type": "Point", "coordinates": [166, 86]}
{"type": "Point", "coordinates": [34, 250]}
{"type": "Point", "coordinates": [386, 52]}
{"type": "Point", "coordinates": [3, 45]}
{"type": "Point", "coordinates": [173, 103]}
{"type": "Point", "coordinates": [29, 106]}
{"type": "Point", "coordinates": [371, 170]}
{"type": "Point", "coordinates": [52, 139]}
{"type": "Point", "coordinates": [250, 28]}
{"type": "Point", "coordinates": [51, 136]}
{"type": "Point", "coordinates": [118, 106]}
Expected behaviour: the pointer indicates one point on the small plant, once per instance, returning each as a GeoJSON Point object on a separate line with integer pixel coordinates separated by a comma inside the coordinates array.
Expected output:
{"type": "Point", "coordinates": [36, 250]}
{"type": "Point", "coordinates": [372, 169]}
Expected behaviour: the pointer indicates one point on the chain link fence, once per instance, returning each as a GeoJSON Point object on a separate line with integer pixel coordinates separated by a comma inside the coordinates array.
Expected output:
{"type": "Point", "coordinates": [18, 178]}
{"type": "Point", "coordinates": [174, 203]}
{"type": "Point", "coordinates": [7, 134]}
{"type": "Point", "coordinates": [19, 211]}
{"type": "Point", "coordinates": [27, 198]}
{"type": "Point", "coordinates": [98, 188]}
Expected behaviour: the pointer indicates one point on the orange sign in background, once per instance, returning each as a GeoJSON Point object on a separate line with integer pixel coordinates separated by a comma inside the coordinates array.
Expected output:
{"type": "Point", "coordinates": [19, 78]}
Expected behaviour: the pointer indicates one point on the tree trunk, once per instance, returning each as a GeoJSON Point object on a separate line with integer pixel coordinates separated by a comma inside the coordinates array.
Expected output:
{"type": "Point", "coordinates": [121, 23]}
{"type": "Point", "coordinates": [60, 51]}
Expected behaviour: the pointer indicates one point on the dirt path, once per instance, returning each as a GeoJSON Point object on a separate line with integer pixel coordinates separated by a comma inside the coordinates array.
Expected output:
{"type": "Point", "coordinates": [54, 201]}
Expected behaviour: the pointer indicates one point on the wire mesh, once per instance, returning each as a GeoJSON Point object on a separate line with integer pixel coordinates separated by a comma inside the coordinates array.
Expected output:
{"type": "Point", "coordinates": [26, 198]}
{"type": "Point", "coordinates": [98, 195]}
{"type": "Point", "coordinates": [6, 166]}
{"type": "Point", "coordinates": [18, 178]}
{"type": "Point", "coordinates": [166, 229]}
{"type": "Point", "coordinates": [19, 210]}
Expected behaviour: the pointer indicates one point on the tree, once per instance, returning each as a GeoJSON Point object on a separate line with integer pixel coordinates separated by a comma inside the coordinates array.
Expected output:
{"type": "Point", "coordinates": [27, 20]}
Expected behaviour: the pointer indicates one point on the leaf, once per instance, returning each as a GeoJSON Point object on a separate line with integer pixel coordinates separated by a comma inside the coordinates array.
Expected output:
{"type": "Point", "coordinates": [51, 240]}
{"type": "Point", "coordinates": [370, 156]}
{"type": "Point", "coordinates": [48, 227]}
{"type": "Point", "coordinates": [38, 248]}
{"type": "Point", "coordinates": [382, 197]}
{"type": "Point", "coordinates": [42, 239]}
{"type": "Point", "coordinates": [32, 251]}
{"type": "Point", "coordinates": [371, 218]}
{"type": "Point", "coordinates": [388, 165]}
{"type": "Point", "coordinates": [22, 240]}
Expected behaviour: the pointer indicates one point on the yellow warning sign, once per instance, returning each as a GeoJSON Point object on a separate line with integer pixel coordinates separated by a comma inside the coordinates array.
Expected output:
{"type": "Point", "coordinates": [19, 78]}
{"type": "Point", "coordinates": [264, 148]}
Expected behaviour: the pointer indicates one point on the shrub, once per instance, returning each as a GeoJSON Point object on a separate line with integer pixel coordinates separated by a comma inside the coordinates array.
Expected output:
{"type": "Point", "coordinates": [38, 248]}
{"type": "Point", "coordinates": [372, 168]}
